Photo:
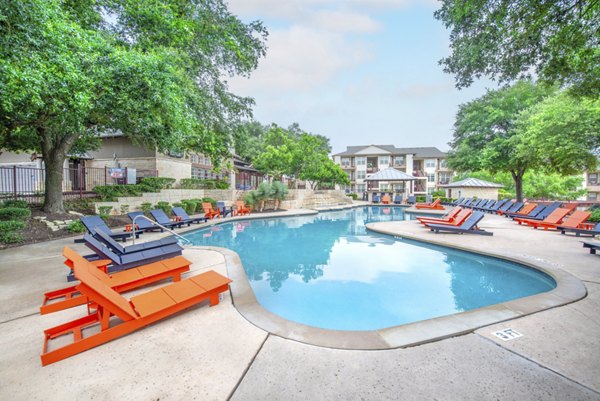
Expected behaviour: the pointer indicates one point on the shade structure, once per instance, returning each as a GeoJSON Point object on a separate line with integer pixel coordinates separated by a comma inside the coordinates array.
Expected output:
{"type": "Point", "coordinates": [473, 183]}
{"type": "Point", "coordinates": [390, 174]}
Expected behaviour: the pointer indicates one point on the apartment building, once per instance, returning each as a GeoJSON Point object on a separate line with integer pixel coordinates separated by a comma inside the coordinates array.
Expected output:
{"type": "Point", "coordinates": [591, 182]}
{"type": "Point", "coordinates": [427, 164]}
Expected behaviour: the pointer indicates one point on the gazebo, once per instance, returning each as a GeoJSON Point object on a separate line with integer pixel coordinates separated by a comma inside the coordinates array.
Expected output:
{"type": "Point", "coordinates": [390, 174]}
{"type": "Point", "coordinates": [473, 187]}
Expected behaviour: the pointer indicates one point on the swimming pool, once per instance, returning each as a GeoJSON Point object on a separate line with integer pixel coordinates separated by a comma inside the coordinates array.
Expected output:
{"type": "Point", "coordinates": [327, 271]}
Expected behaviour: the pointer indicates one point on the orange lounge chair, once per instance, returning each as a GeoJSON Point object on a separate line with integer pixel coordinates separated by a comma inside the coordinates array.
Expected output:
{"type": "Point", "coordinates": [434, 205]}
{"type": "Point", "coordinates": [122, 281]}
{"type": "Point", "coordinates": [131, 315]}
{"type": "Point", "coordinates": [553, 218]}
{"type": "Point", "coordinates": [458, 220]}
{"type": "Point", "coordinates": [525, 210]}
{"type": "Point", "coordinates": [573, 221]}
{"type": "Point", "coordinates": [241, 208]}
{"type": "Point", "coordinates": [447, 218]}
{"type": "Point", "coordinates": [386, 199]}
{"type": "Point", "coordinates": [209, 212]}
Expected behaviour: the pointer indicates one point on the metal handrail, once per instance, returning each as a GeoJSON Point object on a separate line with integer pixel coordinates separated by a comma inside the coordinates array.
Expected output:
{"type": "Point", "coordinates": [133, 226]}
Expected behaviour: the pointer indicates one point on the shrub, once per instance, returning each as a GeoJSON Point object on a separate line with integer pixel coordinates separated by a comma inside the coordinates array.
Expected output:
{"type": "Point", "coordinates": [212, 201]}
{"type": "Point", "coordinates": [21, 204]}
{"type": "Point", "coordinates": [595, 217]}
{"type": "Point", "coordinates": [164, 206]}
{"type": "Point", "coordinates": [177, 204]}
{"type": "Point", "coordinates": [146, 207]}
{"type": "Point", "coordinates": [14, 213]}
{"type": "Point", "coordinates": [352, 195]}
{"type": "Point", "coordinates": [105, 210]}
{"type": "Point", "coordinates": [198, 183]}
{"type": "Point", "coordinates": [189, 205]}
{"type": "Point", "coordinates": [76, 227]}
{"type": "Point", "coordinates": [421, 198]}
{"type": "Point", "coordinates": [250, 198]}
{"type": "Point", "coordinates": [124, 209]}
{"type": "Point", "coordinates": [157, 183]}
{"type": "Point", "coordinates": [10, 237]}
{"type": "Point", "coordinates": [439, 193]}
{"type": "Point", "coordinates": [11, 225]}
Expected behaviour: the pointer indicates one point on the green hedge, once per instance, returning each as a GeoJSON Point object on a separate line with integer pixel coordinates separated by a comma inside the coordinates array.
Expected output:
{"type": "Point", "coordinates": [149, 184]}
{"type": "Point", "coordinates": [353, 196]}
{"type": "Point", "coordinates": [15, 203]}
{"type": "Point", "coordinates": [11, 237]}
{"type": "Point", "coordinates": [14, 213]}
{"type": "Point", "coordinates": [11, 225]}
{"type": "Point", "coordinates": [76, 227]}
{"type": "Point", "coordinates": [197, 183]}
{"type": "Point", "coordinates": [595, 217]}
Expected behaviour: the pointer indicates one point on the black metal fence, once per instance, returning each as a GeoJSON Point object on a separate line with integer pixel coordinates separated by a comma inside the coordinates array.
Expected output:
{"type": "Point", "coordinates": [28, 183]}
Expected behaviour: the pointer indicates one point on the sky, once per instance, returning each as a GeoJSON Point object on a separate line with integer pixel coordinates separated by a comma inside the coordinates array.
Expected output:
{"type": "Point", "coordinates": [360, 72]}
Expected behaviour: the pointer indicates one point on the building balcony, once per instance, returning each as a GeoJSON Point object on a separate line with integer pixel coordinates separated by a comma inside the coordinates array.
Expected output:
{"type": "Point", "coordinates": [419, 174]}
{"type": "Point", "coordinates": [444, 182]}
{"type": "Point", "coordinates": [371, 170]}
{"type": "Point", "coordinates": [347, 166]}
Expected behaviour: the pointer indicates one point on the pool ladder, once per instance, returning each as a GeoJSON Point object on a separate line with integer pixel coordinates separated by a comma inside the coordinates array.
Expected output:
{"type": "Point", "coordinates": [133, 226]}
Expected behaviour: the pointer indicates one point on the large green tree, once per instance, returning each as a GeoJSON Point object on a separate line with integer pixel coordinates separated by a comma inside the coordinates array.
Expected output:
{"type": "Point", "coordinates": [523, 127]}
{"type": "Point", "coordinates": [505, 40]}
{"type": "Point", "coordinates": [150, 69]}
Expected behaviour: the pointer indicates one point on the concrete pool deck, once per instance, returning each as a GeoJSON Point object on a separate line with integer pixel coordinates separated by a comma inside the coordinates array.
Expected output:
{"type": "Point", "coordinates": [214, 353]}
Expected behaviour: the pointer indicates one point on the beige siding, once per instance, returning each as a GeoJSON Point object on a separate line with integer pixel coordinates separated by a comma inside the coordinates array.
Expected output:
{"type": "Point", "coordinates": [122, 148]}
{"type": "Point", "coordinates": [480, 193]}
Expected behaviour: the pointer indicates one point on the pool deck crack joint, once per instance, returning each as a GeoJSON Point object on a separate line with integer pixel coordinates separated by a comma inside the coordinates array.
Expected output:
{"type": "Point", "coordinates": [19, 317]}
{"type": "Point", "coordinates": [539, 364]}
{"type": "Point", "coordinates": [248, 367]}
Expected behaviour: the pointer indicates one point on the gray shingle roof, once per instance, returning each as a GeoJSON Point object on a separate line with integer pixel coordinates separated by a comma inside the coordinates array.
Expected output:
{"type": "Point", "coordinates": [389, 174]}
{"type": "Point", "coordinates": [473, 183]}
{"type": "Point", "coordinates": [429, 151]}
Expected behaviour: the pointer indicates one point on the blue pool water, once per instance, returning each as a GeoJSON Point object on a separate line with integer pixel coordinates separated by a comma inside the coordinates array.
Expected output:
{"type": "Point", "coordinates": [327, 271]}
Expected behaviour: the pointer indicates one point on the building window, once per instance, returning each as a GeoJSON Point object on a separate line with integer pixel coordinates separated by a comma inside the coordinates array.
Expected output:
{"type": "Point", "coordinates": [360, 188]}
{"type": "Point", "coordinates": [430, 177]}
{"type": "Point", "coordinates": [592, 196]}
{"type": "Point", "coordinates": [593, 179]}
{"type": "Point", "coordinates": [443, 163]}
{"type": "Point", "coordinates": [360, 174]}
{"type": "Point", "coordinates": [430, 190]}
{"type": "Point", "coordinates": [384, 160]}
{"type": "Point", "coordinates": [346, 162]}
{"type": "Point", "coordinates": [384, 187]}
{"type": "Point", "coordinates": [444, 178]}
{"type": "Point", "coordinates": [399, 161]}
{"type": "Point", "coordinates": [361, 161]}
{"type": "Point", "coordinates": [430, 163]}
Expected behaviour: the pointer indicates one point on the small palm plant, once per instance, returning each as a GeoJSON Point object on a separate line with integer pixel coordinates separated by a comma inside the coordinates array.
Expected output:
{"type": "Point", "coordinates": [262, 193]}
{"type": "Point", "coordinates": [278, 191]}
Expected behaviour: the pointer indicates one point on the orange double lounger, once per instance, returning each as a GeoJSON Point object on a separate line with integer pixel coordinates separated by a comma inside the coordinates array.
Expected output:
{"type": "Point", "coordinates": [457, 221]}
{"type": "Point", "coordinates": [125, 280]}
{"type": "Point", "coordinates": [130, 315]}
{"type": "Point", "coordinates": [447, 218]}
{"type": "Point", "coordinates": [435, 205]}
{"type": "Point", "coordinates": [573, 221]}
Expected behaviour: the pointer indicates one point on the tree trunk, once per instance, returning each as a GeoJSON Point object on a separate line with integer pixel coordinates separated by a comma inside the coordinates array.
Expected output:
{"type": "Point", "coordinates": [53, 196]}
{"type": "Point", "coordinates": [518, 178]}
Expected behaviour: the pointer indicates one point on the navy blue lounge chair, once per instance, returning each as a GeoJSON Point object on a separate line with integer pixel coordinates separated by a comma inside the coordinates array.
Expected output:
{"type": "Point", "coordinates": [224, 210]}
{"type": "Point", "coordinates": [469, 226]}
{"type": "Point", "coordinates": [494, 208]}
{"type": "Point", "coordinates": [535, 212]}
{"type": "Point", "coordinates": [164, 220]}
{"type": "Point", "coordinates": [594, 246]}
{"type": "Point", "coordinates": [120, 262]}
{"type": "Point", "coordinates": [412, 199]}
{"type": "Point", "coordinates": [181, 213]}
{"type": "Point", "coordinates": [544, 212]}
{"type": "Point", "coordinates": [143, 224]}
{"type": "Point", "coordinates": [483, 206]}
{"type": "Point", "coordinates": [513, 209]}
{"type": "Point", "coordinates": [504, 208]}
{"type": "Point", "coordinates": [580, 231]}
{"type": "Point", "coordinates": [122, 250]}
{"type": "Point", "coordinates": [457, 202]}
{"type": "Point", "coordinates": [95, 223]}
{"type": "Point", "coordinates": [398, 199]}
{"type": "Point", "coordinates": [376, 198]}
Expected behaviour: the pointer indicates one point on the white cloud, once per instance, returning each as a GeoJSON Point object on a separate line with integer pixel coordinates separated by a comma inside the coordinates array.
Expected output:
{"type": "Point", "coordinates": [301, 58]}
{"type": "Point", "coordinates": [344, 21]}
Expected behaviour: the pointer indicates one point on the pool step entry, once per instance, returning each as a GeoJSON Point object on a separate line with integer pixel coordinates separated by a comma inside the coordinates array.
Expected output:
{"type": "Point", "coordinates": [325, 199]}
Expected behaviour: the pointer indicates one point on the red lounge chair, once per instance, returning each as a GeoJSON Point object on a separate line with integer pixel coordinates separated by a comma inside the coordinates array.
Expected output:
{"type": "Point", "coordinates": [130, 315]}
{"type": "Point", "coordinates": [435, 205]}
{"type": "Point", "coordinates": [573, 221]}
{"type": "Point", "coordinates": [447, 218]}
{"type": "Point", "coordinates": [126, 280]}
{"type": "Point", "coordinates": [386, 200]}
{"type": "Point", "coordinates": [458, 220]}
{"type": "Point", "coordinates": [241, 208]}
{"type": "Point", "coordinates": [209, 212]}
{"type": "Point", "coordinates": [553, 218]}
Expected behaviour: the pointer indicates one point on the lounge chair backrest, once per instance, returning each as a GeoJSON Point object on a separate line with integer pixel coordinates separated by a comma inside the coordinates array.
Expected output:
{"type": "Point", "coordinates": [160, 216]}
{"type": "Point", "coordinates": [180, 212]}
{"type": "Point", "coordinates": [428, 199]}
{"type": "Point", "coordinates": [548, 210]}
{"type": "Point", "coordinates": [398, 199]}
{"type": "Point", "coordinates": [536, 211]}
{"type": "Point", "coordinates": [109, 241]}
{"type": "Point", "coordinates": [516, 207]}
{"type": "Point", "coordinates": [94, 223]}
{"type": "Point", "coordinates": [101, 293]}
{"type": "Point", "coordinates": [74, 258]}
{"type": "Point", "coordinates": [207, 206]}
{"type": "Point", "coordinates": [556, 216]}
{"type": "Point", "coordinates": [101, 249]}
{"type": "Point", "coordinates": [436, 202]}
{"type": "Point", "coordinates": [141, 223]}
{"type": "Point", "coordinates": [507, 205]}
{"type": "Point", "coordinates": [575, 219]}
{"type": "Point", "coordinates": [472, 220]}
{"type": "Point", "coordinates": [460, 217]}
{"type": "Point", "coordinates": [453, 213]}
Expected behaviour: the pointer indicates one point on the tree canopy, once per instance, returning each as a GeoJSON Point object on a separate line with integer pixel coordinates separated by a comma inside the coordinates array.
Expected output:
{"type": "Point", "coordinates": [506, 40]}
{"type": "Point", "coordinates": [151, 70]}
{"type": "Point", "coordinates": [522, 127]}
